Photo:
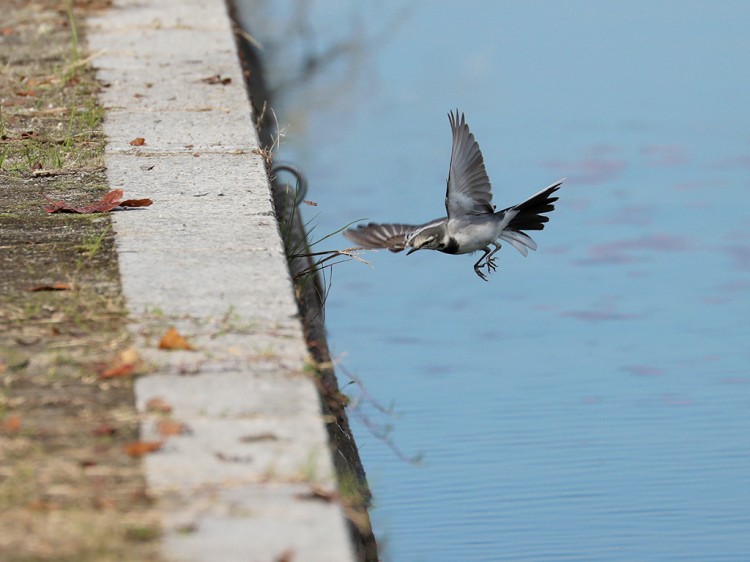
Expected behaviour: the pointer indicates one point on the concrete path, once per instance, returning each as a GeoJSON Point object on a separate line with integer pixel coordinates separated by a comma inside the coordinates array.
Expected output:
{"type": "Point", "coordinates": [207, 258]}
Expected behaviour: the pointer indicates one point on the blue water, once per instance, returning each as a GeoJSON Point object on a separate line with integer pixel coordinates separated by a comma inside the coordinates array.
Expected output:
{"type": "Point", "coordinates": [592, 401]}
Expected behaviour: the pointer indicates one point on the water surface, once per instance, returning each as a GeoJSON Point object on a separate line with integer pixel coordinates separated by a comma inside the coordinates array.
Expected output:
{"type": "Point", "coordinates": [591, 401]}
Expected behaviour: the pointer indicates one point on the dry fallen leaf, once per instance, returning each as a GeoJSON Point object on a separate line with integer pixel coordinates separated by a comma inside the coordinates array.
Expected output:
{"type": "Point", "coordinates": [104, 430]}
{"type": "Point", "coordinates": [53, 287]}
{"type": "Point", "coordinates": [217, 79]}
{"type": "Point", "coordinates": [165, 428]}
{"type": "Point", "coordinates": [125, 363]}
{"type": "Point", "coordinates": [138, 141]}
{"type": "Point", "coordinates": [174, 340]}
{"type": "Point", "coordinates": [158, 405]}
{"type": "Point", "coordinates": [136, 203]}
{"type": "Point", "coordinates": [12, 424]}
{"type": "Point", "coordinates": [107, 203]}
{"type": "Point", "coordinates": [140, 448]}
{"type": "Point", "coordinates": [118, 371]}
{"type": "Point", "coordinates": [110, 201]}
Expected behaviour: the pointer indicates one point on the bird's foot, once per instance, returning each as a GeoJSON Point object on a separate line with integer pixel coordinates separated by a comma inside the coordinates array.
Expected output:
{"type": "Point", "coordinates": [479, 272]}
{"type": "Point", "coordinates": [491, 265]}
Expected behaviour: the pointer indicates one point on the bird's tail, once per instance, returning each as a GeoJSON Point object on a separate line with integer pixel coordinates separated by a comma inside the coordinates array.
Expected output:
{"type": "Point", "coordinates": [529, 215]}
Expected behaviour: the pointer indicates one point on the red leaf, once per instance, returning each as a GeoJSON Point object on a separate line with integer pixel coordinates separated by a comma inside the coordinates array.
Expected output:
{"type": "Point", "coordinates": [110, 201]}
{"type": "Point", "coordinates": [140, 448]}
{"type": "Point", "coordinates": [136, 203]}
{"type": "Point", "coordinates": [12, 424]}
{"type": "Point", "coordinates": [53, 287]}
{"type": "Point", "coordinates": [118, 371]}
{"type": "Point", "coordinates": [138, 141]}
{"type": "Point", "coordinates": [107, 203]}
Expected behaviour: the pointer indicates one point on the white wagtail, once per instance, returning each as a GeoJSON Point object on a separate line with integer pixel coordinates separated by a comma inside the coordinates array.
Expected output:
{"type": "Point", "coordinates": [472, 223]}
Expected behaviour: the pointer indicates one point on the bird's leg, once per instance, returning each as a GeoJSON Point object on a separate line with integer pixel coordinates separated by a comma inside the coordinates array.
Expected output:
{"type": "Point", "coordinates": [491, 265]}
{"type": "Point", "coordinates": [477, 266]}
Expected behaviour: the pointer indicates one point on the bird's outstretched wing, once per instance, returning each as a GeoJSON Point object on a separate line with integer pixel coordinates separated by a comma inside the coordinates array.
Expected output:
{"type": "Point", "coordinates": [469, 191]}
{"type": "Point", "coordinates": [394, 237]}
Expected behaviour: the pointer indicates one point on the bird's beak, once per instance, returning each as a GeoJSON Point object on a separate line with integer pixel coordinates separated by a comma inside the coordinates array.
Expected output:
{"type": "Point", "coordinates": [413, 249]}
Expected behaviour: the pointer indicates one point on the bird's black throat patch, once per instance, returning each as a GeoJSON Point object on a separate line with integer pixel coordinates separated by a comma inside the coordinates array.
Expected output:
{"type": "Point", "coordinates": [451, 247]}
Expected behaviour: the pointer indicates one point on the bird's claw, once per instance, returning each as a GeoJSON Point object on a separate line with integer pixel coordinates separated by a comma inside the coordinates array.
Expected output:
{"type": "Point", "coordinates": [491, 265]}
{"type": "Point", "coordinates": [479, 272]}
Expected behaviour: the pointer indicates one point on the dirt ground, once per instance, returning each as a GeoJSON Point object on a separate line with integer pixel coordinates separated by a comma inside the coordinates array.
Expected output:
{"type": "Point", "coordinates": [69, 490]}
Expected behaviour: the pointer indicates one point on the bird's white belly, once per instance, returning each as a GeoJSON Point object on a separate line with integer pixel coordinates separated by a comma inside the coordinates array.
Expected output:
{"type": "Point", "coordinates": [473, 235]}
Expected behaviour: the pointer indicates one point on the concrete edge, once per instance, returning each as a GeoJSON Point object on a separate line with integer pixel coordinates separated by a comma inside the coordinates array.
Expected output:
{"type": "Point", "coordinates": [253, 479]}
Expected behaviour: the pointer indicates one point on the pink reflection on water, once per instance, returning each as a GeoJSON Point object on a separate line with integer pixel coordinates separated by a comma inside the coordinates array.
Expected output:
{"type": "Point", "coordinates": [603, 312]}
{"type": "Point", "coordinates": [632, 215]}
{"type": "Point", "coordinates": [699, 184]}
{"type": "Point", "coordinates": [740, 256]}
{"type": "Point", "coordinates": [643, 370]}
{"type": "Point", "coordinates": [674, 400]}
{"type": "Point", "coordinates": [589, 170]}
{"type": "Point", "coordinates": [742, 161]}
{"type": "Point", "coordinates": [621, 251]}
{"type": "Point", "coordinates": [665, 155]}
{"type": "Point", "coordinates": [728, 292]}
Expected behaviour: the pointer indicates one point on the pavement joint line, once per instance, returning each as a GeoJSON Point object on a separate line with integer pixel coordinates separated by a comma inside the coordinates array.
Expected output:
{"type": "Point", "coordinates": [241, 500]}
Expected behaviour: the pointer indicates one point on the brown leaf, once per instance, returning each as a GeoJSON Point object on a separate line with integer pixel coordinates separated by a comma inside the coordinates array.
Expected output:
{"type": "Point", "coordinates": [158, 405]}
{"type": "Point", "coordinates": [136, 203]}
{"type": "Point", "coordinates": [125, 363]}
{"type": "Point", "coordinates": [138, 141]}
{"type": "Point", "coordinates": [137, 449]}
{"type": "Point", "coordinates": [107, 203]}
{"type": "Point", "coordinates": [53, 287]}
{"type": "Point", "coordinates": [118, 371]}
{"type": "Point", "coordinates": [217, 79]}
{"type": "Point", "coordinates": [165, 428]}
{"type": "Point", "coordinates": [105, 430]}
{"type": "Point", "coordinates": [174, 340]}
{"type": "Point", "coordinates": [12, 424]}
{"type": "Point", "coordinates": [110, 201]}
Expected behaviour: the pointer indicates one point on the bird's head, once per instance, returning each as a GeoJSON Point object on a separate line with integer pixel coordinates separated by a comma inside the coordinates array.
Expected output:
{"type": "Point", "coordinates": [427, 239]}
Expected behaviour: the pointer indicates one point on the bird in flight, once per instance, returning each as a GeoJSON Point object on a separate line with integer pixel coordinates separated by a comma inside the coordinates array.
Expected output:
{"type": "Point", "coordinates": [472, 223]}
